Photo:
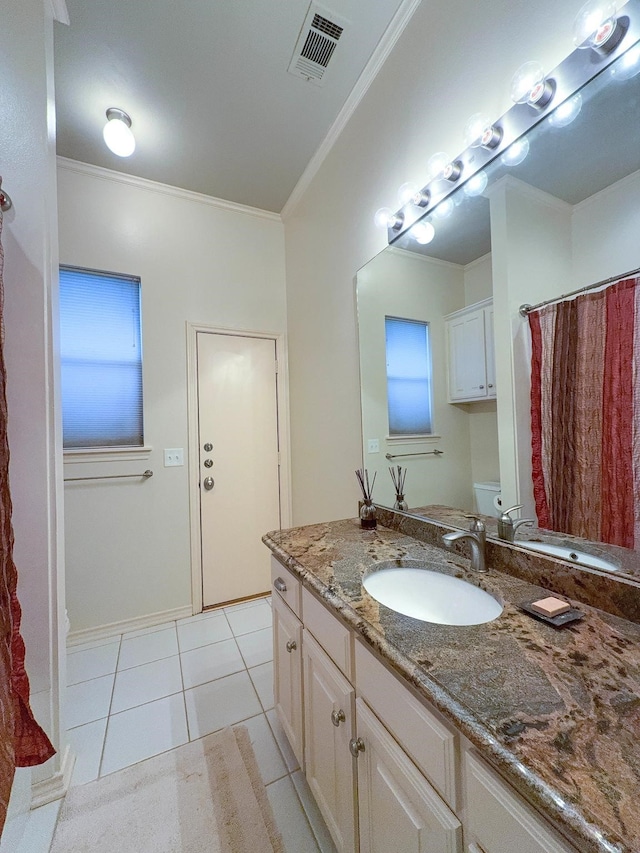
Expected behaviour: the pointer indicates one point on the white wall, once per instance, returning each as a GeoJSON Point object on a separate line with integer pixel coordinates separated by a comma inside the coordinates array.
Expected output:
{"type": "Point", "coordinates": [128, 541]}
{"type": "Point", "coordinates": [401, 284]}
{"type": "Point", "coordinates": [454, 59]}
{"type": "Point", "coordinates": [605, 229]}
{"type": "Point", "coordinates": [29, 237]}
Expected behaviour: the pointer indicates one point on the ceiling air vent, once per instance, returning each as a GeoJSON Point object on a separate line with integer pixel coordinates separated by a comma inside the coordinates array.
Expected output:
{"type": "Point", "coordinates": [318, 39]}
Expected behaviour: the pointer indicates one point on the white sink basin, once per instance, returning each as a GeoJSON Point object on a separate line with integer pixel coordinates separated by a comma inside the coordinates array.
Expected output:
{"type": "Point", "coordinates": [581, 558]}
{"type": "Point", "coordinates": [431, 596]}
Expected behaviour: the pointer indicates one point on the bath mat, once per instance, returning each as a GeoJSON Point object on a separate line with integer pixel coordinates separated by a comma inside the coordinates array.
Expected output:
{"type": "Point", "coordinates": [204, 797]}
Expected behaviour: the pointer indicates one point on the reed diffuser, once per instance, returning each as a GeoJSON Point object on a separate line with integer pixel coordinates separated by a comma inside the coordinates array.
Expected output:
{"type": "Point", "coordinates": [398, 476]}
{"type": "Point", "coordinates": [368, 519]}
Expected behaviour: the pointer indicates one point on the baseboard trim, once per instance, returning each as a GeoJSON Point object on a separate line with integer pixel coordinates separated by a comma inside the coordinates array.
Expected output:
{"type": "Point", "coordinates": [56, 786]}
{"type": "Point", "coordinates": [113, 629]}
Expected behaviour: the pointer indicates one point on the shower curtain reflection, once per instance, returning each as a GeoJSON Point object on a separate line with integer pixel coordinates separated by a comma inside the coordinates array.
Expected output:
{"type": "Point", "coordinates": [585, 404]}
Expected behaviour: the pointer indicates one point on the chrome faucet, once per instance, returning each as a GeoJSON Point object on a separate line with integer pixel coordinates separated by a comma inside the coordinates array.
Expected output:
{"type": "Point", "coordinates": [477, 537]}
{"type": "Point", "coordinates": [507, 526]}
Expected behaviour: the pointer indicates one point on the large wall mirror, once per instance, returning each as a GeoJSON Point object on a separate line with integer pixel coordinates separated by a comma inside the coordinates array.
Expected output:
{"type": "Point", "coordinates": [562, 211]}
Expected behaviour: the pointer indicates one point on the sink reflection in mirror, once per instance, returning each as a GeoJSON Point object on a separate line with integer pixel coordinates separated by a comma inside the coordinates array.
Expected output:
{"type": "Point", "coordinates": [572, 555]}
{"type": "Point", "coordinates": [413, 589]}
{"type": "Point", "coordinates": [562, 219]}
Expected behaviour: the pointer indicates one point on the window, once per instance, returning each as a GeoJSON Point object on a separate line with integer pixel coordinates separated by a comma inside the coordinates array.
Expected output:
{"type": "Point", "coordinates": [408, 377]}
{"type": "Point", "coordinates": [101, 359]}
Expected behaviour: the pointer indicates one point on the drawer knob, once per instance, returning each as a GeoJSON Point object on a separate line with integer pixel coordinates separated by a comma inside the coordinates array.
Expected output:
{"type": "Point", "coordinates": [481, 387]}
{"type": "Point", "coordinates": [292, 646]}
{"type": "Point", "coordinates": [337, 717]}
{"type": "Point", "coordinates": [490, 385]}
{"type": "Point", "coordinates": [356, 746]}
{"type": "Point", "coordinates": [280, 585]}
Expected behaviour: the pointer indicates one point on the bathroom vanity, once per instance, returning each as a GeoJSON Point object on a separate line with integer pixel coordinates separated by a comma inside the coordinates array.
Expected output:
{"type": "Point", "coordinates": [506, 736]}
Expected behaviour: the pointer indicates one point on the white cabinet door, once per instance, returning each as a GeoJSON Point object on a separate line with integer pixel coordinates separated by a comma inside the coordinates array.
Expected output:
{"type": "Point", "coordinates": [287, 674]}
{"type": "Point", "coordinates": [499, 820]}
{"type": "Point", "coordinates": [398, 808]}
{"type": "Point", "coordinates": [329, 765]}
{"type": "Point", "coordinates": [467, 372]}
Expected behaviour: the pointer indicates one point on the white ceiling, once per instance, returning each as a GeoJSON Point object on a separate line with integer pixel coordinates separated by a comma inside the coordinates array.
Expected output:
{"type": "Point", "coordinates": [205, 82]}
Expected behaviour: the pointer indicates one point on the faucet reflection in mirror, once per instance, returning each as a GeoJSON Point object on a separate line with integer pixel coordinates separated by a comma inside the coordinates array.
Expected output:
{"type": "Point", "coordinates": [585, 414]}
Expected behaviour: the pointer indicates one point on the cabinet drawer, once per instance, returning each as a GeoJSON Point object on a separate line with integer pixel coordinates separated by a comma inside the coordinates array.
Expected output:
{"type": "Point", "coordinates": [500, 819]}
{"type": "Point", "coordinates": [430, 743]}
{"type": "Point", "coordinates": [287, 585]}
{"type": "Point", "coordinates": [332, 635]}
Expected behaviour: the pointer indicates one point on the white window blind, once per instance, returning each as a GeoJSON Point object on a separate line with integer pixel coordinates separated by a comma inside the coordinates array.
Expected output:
{"type": "Point", "coordinates": [408, 377]}
{"type": "Point", "coordinates": [101, 359]}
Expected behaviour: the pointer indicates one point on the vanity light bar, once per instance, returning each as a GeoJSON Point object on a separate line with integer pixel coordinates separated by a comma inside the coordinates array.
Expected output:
{"type": "Point", "coordinates": [577, 69]}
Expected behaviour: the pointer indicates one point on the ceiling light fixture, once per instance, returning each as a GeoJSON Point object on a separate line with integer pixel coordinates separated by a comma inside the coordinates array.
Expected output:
{"type": "Point", "coordinates": [117, 133]}
{"type": "Point", "coordinates": [480, 133]}
{"type": "Point", "coordinates": [437, 164]}
{"type": "Point", "coordinates": [422, 198]}
{"type": "Point", "coordinates": [406, 192]}
{"type": "Point", "coordinates": [566, 112]}
{"type": "Point", "coordinates": [516, 153]}
{"type": "Point", "coordinates": [476, 185]}
{"type": "Point", "coordinates": [383, 217]}
{"type": "Point", "coordinates": [596, 26]}
{"type": "Point", "coordinates": [444, 209]}
{"type": "Point", "coordinates": [423, 233]}
{"type": "Point", "coordinates": [452, 171]}
{"type": "Point", "coordinates": [628, 65]}
{"type": "Point", "coordinates": [530, 86]}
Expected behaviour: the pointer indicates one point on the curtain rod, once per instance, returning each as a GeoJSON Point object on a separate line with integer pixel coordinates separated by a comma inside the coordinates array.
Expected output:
{"type": "Point", "coordinates": [525, 309]}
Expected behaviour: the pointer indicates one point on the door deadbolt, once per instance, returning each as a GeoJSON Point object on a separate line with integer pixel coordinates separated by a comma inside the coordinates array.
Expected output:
{"type": "Point", "coordinates": [208, 447]}
{"type": "Point", "coordinates": [208, 483]}
{"type": "Point", "coordinates": [208, 463]}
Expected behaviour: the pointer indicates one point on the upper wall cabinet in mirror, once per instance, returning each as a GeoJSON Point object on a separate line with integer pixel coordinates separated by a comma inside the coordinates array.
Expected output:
{"type": "Point", "coordinates": [555, 209]}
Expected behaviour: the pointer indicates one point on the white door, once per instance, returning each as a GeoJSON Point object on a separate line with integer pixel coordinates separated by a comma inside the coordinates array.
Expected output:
{"type": "Point", "coordinates": [238, 459]}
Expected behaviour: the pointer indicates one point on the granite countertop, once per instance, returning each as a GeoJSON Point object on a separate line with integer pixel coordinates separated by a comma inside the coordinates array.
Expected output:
{"type": "Point", "coordinates": [557, 711]}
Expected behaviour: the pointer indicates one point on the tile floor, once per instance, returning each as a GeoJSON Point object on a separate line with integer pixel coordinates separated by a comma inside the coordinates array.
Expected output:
{"type": "Point", "coordinates": [149, 691]}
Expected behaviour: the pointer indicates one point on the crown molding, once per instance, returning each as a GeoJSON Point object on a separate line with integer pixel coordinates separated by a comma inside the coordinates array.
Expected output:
{"type": "Point", "coordinates": [163, 189]}
{"type": "Point", "coordinates": [528, 191]}
{"type": "Point", "coordinates": [596, 198]}
{"type": "Point", "coordinates": [59, 11]}
{"type": "Point", "coordinates": [373, 66]}
{"type": "Point", "coordinates": [477, 261]}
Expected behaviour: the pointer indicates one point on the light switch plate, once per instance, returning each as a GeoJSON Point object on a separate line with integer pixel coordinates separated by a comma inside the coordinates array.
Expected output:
{"type": "Point", "coordinates": [373, 445]}
{"type": "Point", "coordinates": [173, 457]}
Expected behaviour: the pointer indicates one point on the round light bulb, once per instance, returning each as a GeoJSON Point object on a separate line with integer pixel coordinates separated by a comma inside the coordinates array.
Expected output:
{"type": "Point", "coordinates": [566, 112]}
{"type": "Point", "coordinates": [476, 185]}
{"type": "Point", "coordinates": [117, 133]}
{"type": "Point", "coordinates": [382, 217]}
{"type": "Point", "coordinates": [525, 80]}
{"type": "Point", "coordinates": [628, 65]}
{"type": "Point", "coordinates": [406, 192]}
{"type": "Point", "coordinates": [474, 129]}
{"type": "Point", "coordinates": [437, 164]}
{"type": "Point", "coordinates": [444, 209]}
{"type": "Point", "coordinates": [516, 152]}
{"type": "Point", "coordinates": [595, 23]}
{"type": "Point", "coordinates": [423, 233]}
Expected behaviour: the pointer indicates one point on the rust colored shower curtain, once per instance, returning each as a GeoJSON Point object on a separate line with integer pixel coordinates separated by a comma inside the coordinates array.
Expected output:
{"type": "Point", "coordinates": [585, 414]}
{"type": "Point", "coordinates": [22, 741]}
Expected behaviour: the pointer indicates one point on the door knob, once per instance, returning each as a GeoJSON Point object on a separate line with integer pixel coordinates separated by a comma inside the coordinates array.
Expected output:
{"type": "Point", "coordinates": [208, 463]}
{"type": "Point", "coordinates": [292, 646]}
{"type": "Point", "coordinates": [208, 483]}
{"type": "Point", "coordinates": [208, 447]}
